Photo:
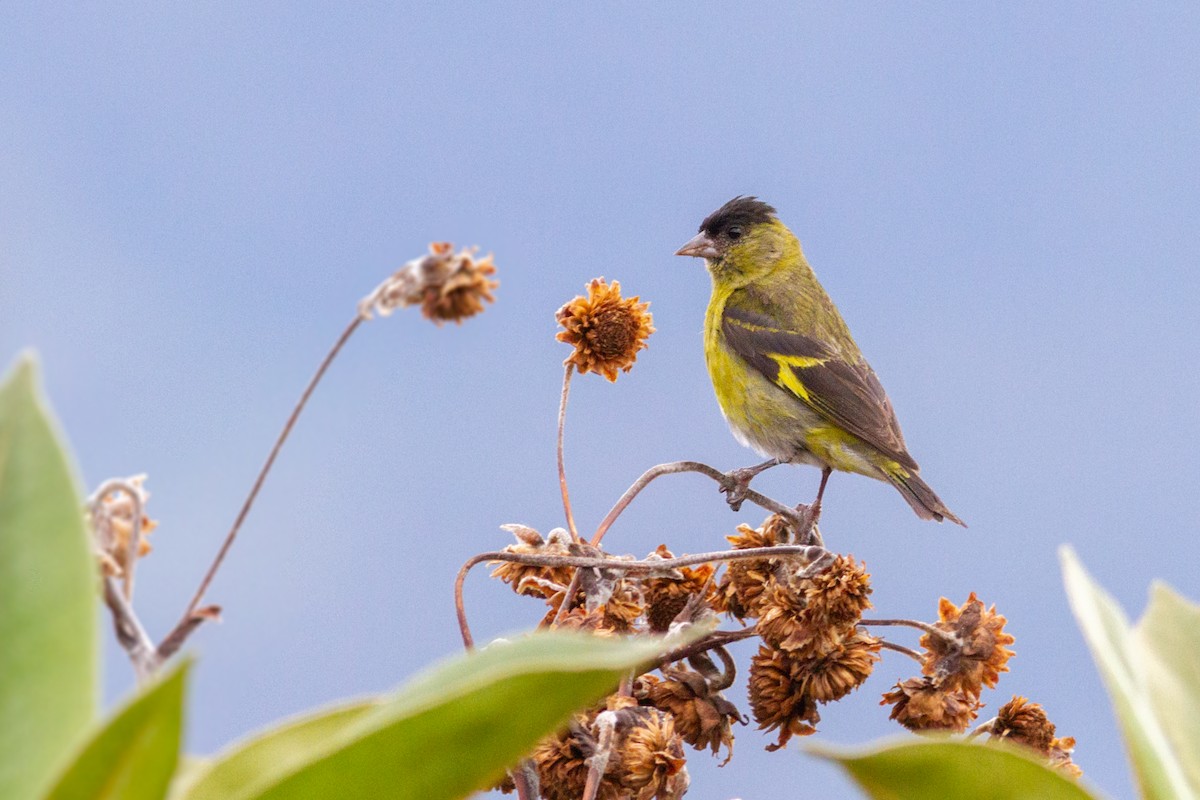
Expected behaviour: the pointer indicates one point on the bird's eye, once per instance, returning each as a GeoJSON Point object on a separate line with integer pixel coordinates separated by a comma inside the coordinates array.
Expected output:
{"type": "Point", "coordinates": [734, 232]}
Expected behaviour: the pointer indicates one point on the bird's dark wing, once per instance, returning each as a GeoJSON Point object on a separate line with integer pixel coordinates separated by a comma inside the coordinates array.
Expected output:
{"type": "Point", "coordinates": [847, 394]}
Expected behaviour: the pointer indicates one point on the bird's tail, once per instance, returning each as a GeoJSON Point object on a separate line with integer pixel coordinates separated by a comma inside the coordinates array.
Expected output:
{"type": "Point", "coordinates": [922, 498]}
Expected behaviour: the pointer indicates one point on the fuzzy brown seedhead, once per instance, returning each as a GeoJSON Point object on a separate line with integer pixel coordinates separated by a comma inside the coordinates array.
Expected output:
{"type": "Point", "coordinates": [449, 286]}
{"type": "Point", "coordinates": [702, 715]}
{"type": "Point", "coordinates": [920, 705]}
{"type": "Point", "coordinates": [1027, 724]}
{"type": "Point", "coordinates": [741, 588]}
{"type": "Point", "coordinates": [666, 595]}
{"type": "Point", "coordinates": [777, 697]}
{"type": "Point", "coordinates": [650, 763]}
{"type": "Point", "coordinates": [1024, 723]}
{"type": "Point", "coordinates": [817, 612]}
{"type": "Point", "coordinates": [972, 654]}
{"type": "Point", "coordinates": [606, 330]}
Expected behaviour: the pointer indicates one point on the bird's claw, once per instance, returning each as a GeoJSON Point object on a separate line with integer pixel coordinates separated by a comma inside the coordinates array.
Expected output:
{"type": "Point", "coordinates": [736, 485]}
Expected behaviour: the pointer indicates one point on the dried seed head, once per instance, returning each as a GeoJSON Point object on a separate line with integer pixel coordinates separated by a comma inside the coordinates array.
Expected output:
{"type": "Point", "coordinates": [833, 671]}
{"type": "Point", "coordinates": [606, 330]}
{"type": "Point", "coordinates": [743, 583]}
{"type": "Point", "coordinates": [449, 286]}
{"type": "Point", "coordinates": [782, 621]}
{"type": "Point", "coordinates": [528, 579]}
{"type": "Point", "coordinates": [666, 595]}
{"type": "Point", "coordinates": [1025, 723]}
{"type": "Point", "coordinates": [777, 699]}
{"type": "Point", "coordinates": [112, 520]}
{"type": "Point", "coordinates": [1060, 756]}
{"type": "Point", "coordinates": [972, 654]}
{"type": "Point", "coordinates": [920, 705]}
{"type": "Point", "coordinates": [650, 759]}
{"type": "Point", "coordinates": [838, 595]}
{"type": "Point", "coordinates": [702, 715]}
{"type": "Point", "coordinates": [562, 763]}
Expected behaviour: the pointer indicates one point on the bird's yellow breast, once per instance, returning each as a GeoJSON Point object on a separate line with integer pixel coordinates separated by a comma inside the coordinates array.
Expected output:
{"type": "Point", "coordinates": [768, 417]}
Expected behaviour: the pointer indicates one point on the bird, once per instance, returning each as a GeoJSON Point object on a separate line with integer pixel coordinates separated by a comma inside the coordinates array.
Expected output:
{"type": "Point", "coordinates": [788, 376]}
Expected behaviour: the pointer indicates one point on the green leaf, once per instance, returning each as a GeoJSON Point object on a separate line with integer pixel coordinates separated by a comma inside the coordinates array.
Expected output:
{"type": "Point", "coordinates": [942, 769]}
{"type": "Point", "coordinates": [451, 731]}
{"type": "Point", "coordinates": [48, 596]}
{"type": "Point", "coordinates": [1118, 655]}
{"type": "Point", "coordinates": [260, 760]}
{"type": "Point", "coordinates": [134, 754]}
{"type": "Point", "coordinates": [1169, 635]}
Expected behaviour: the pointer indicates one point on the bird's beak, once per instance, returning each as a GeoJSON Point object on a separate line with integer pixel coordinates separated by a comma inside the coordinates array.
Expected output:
{"type": "Point", "coordinates": [701, 246]}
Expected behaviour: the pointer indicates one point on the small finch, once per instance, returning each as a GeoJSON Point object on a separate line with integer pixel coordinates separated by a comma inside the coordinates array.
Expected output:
{"type": "Point", "coordinates": [789, 378]}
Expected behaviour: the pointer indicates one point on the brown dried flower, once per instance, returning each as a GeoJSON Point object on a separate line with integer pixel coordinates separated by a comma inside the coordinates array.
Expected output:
{"type": "Point", "coordinates": [972, 654]}
{"type": "Point", "coordinates": [743, 583]}
{"type": "Point", "coordinates": [606, 330]}
{"type": "Point", "coordinates": [702, 715]}
{"type": "Point", "coordinates": [666, 595]}
{"type": "Point", "coordinates": [532, 580]}
{"type": "Point", "coordinates": [777, 699]}
{"type": "Point", "coordinates": [1060, 756]}
{"type": "Point", "coordinates": [562, 763]}
{"type": "Point", "coordinates": [650, 759]}
{"type": "Point", "coordinates": [833, 672]}
{"type": "Point", "coordinates": [838, 595]}
{"type": "Point", "coordinates": [920, 705]}
{"type": "Point", "coordinates": [449, 286]}
{"type": "Point", "coordinates": [782, 622]}
{"type": "Point", "coordinates": [112, 521]}
{"type": "Point", "coordinates": [1025, 723]}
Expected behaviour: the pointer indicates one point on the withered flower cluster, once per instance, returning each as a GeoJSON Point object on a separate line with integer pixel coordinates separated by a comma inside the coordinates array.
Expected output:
{"type": "Point", "coordinates": [965, 650]}
{"type": "Point", "coordinates": [812, 650]}
{"type": "Point", "coordinates": [448, 286]}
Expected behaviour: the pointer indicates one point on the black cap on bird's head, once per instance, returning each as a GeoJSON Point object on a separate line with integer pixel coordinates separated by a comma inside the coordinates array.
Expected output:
{"type": "Point", "coordinates": [726, 225]}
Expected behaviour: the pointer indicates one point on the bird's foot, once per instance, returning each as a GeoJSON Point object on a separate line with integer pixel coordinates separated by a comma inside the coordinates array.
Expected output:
{"type": "Point", "coordinates": [736, 484]}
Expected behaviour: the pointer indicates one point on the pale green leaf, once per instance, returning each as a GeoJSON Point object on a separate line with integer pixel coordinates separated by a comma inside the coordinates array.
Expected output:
{"type": "Point", "coordinates": [134, 754]}
{"type": "Point", "coordinates": [1169, 635]}
{"type": "Point", "coordinates": [48, 595]}
{"type": "Point", "coordinates": [945, 769]}
{"type": "Point", "coordinates": [455, 729]}
{"type": "Point", "coordinates": [260, 760]}
{"type": "Point", "coordinates": [1116, 651]}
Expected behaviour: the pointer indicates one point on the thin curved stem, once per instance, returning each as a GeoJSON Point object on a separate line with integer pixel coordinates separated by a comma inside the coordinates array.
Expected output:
{"type": "Point", "coordinates": [910, 623]}
{"type": "Point", "coordinates": [676, 467]}
{"type": "Point", "coordinates": [713, 640]}
{"type": "Point", "coordinates": [899, 648]}
{"type": "Point", "coordinates": [562, 470]}
{"type": "Point", "coordinates": [266, 468]}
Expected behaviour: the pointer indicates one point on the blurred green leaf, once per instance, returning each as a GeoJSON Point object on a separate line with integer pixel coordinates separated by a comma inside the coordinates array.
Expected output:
{"type": "Point", "coordinates": [262, 759]}
{"type": "Point", "coordinates": [1169, 635]}
{"type": "Point", "coordinates": [449, 732]}
{"type": "Point", "coordinates": [48, 595]}
{"type": "Point", "coordinates": [134, 754]}
{"type": "Point", "coordinates": [1118, 653]}
{"type": "Point", "coordinates": [947, 769]}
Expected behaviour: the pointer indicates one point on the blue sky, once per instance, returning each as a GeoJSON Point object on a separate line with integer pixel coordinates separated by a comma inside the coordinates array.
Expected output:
{"type": "Point", "coordinates": [1002, 202]}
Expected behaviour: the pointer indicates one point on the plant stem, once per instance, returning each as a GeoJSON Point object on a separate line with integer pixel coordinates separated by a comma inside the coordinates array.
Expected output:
{"type": "Point", "coordinates": [911, 623]}
{"type": "Point", "coordinates": [266, 467]}
{"type": "Point", "coordinates": [675, 467]}
{"type": "Point", "coordinates": [562, 470]}
{"type": "Point", "coordinates": [913, 654]}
